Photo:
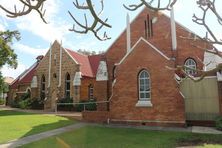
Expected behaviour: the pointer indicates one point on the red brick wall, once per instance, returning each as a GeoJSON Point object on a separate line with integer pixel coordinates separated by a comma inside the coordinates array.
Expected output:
{"type": "Point", "coordinates": [101, 95]}
{"type": "Point", "coordinates": [95, 116]}
{"type": "Point", "coordinates": [100, 91]}
{"type": "Point", "coordinates": [161, 40]}
{"type": "Point", "coordinates": [85, 82]}
{"type": "Point", "coordinates": [168, 104]}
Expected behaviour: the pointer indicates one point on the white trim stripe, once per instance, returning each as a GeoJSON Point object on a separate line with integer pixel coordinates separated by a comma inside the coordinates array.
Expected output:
{"type": "Point", "coordinates": [50, 62]}
{"type": "Point", "coordinates": [60, 65]}
{"type": "Point", "coordinates": [134, 46]}
{"type": "Point", "coordinates": [151, 45]}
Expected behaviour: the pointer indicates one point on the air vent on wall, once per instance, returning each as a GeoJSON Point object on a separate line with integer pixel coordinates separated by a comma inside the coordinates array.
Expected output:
{"type": "Point", "coordinates": [149, 27]}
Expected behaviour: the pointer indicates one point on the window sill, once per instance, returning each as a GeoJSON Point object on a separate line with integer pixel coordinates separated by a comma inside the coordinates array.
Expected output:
{"type": "Point", "coordinates": [144, 104]}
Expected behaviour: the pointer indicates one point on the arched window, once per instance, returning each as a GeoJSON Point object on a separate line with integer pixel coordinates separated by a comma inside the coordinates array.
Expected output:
{"type": "Point", "coordinates": [28, 91]}
{"type": "Point", "coordinates": [42, 93]}
{"type": "Point", "coordinates": [67, 86]}
{"type": "Point", "coordinates": [144, 86]}
{"type": "Point", "coordinates": [192, 66]}
{"type": "Point", "coordinates": [90, 91]}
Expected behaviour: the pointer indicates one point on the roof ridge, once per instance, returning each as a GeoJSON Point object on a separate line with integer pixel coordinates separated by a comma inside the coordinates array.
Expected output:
{"type": "Point", "coordinates": [95, 55]}
{"type": "Point", "coordinates": [76, 52]}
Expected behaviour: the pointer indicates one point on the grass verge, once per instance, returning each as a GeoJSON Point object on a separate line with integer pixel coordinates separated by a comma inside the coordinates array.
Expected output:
{"type": "Point", "coordinates": [103, 137]}
{"type": "Point", "coordinates": [15, 125]}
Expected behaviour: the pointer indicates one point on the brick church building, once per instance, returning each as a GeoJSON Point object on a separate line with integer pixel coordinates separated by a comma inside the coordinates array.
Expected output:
{"type": "Point", "coordinates": [130, 77]}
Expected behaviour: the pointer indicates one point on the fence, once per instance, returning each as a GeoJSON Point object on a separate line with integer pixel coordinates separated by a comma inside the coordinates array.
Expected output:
{"type": "Point", "coordinates": [201, 99]}
{"type": "Point", "coordinates": [83, 103]}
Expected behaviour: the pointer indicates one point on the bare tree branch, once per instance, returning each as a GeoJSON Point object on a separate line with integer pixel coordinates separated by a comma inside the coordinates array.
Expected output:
{"type": "Point", "coordinates": [150, 4]}
{"type": "Point", "coordinates": [203, 74]}
{"type": "Point", "coordinates": [28, 6]}
{"type": "Point", "coordinates": [97, 24]}
{"type": "Point", "coordinates": [207, 6]}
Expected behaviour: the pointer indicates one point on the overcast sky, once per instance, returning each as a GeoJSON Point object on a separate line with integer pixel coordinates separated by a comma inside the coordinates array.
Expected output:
{"type": "Point", "coordinates": [36, 36]}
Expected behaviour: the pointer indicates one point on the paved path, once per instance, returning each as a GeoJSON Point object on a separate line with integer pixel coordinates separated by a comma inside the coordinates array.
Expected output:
{"type": "Point", "coordinates": [29, 139]}
{"type": "Point", "coordinates": [205, 130]}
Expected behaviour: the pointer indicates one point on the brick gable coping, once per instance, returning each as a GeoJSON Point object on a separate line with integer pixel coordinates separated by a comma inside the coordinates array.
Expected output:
{"type": "Point", "coordinates": [149, 44]}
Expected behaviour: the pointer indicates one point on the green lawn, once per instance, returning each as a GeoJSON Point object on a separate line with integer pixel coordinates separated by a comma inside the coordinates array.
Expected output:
{"type": "Point", "coordinates": [103, 137]}
{"type": "Point", "coordinates": [14, 125]}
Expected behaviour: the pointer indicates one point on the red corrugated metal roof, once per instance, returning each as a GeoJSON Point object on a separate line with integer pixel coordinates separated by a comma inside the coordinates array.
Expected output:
{"type": "Point", "coordinates": [25, 77]}
{"type": "Point", "coordinates": [94, 62]}
{"type": "Point", "coordinates": [88, 64]}
{"type": "Point", "coordinates": [88, 67]}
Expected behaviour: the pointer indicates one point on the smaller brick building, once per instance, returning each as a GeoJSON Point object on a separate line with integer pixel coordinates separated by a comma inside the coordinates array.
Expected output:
{"type": "Point", "coordinates": [61, 73]}
{"type": "Point", "coordinates": [22, 84]}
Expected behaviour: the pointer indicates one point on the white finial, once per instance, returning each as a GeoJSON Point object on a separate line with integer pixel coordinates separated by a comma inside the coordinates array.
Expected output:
{"type": "Point", "coordinates": [60, 64]}
{"type": "Point", "coordinates": [50, 62]}
{"type": "Point", "coordinates": [173, 30]}
{"type": "Point", "coordinates": [128, 37]}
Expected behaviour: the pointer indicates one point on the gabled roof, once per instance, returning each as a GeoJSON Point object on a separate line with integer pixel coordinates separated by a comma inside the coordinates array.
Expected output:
{"type": "Point", "coordinates": [94, 62]}
{"type": "Point", "coordinates": [88, 64]}
{"type": "Point", "coordinates": [25, 77]}
{"type": "Point", "coordinates": [149, 44]}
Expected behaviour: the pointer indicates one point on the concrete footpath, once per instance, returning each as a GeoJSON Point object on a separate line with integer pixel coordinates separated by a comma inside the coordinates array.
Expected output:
{"type": "Point", "coordinates": [29, 139]}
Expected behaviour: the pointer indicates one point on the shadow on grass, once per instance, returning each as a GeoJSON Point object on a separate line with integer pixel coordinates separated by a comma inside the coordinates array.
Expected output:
{"type": "Point", "coordinates": [13, 113]}
{"type": "Point", "coordinates": [17, 125]}
{"type": "Point", "coordinates": [47, 127]}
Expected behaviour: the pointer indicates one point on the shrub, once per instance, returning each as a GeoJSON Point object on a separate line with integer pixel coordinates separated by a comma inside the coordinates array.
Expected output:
{"type": "Point", "coordinates": [219, 123]}
{"type": "Point", "coordinates": [15, 103]}
{"type": "Point", "coordinates": [66, 107]}
{"type": "Point", "coordinates": [25, 104]}
{"type": "Point", "coordinates": [91, 106]}
{"type": "Point", "coordinates": [25, 96]}
{"type": "Point", "coordinates": [37, 104]}
{"type": "Point", "coordinates": [2, 101]}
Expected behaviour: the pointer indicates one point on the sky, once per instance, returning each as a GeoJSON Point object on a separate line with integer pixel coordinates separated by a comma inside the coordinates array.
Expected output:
{"type": "Point", "coordinates": [36, 36]}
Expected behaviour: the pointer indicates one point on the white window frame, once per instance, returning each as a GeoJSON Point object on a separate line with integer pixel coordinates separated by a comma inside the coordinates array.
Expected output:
{"type": "Point", "coordinates": [191, 63]}
{"type": "Point", "coordinates": [144, 102]}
